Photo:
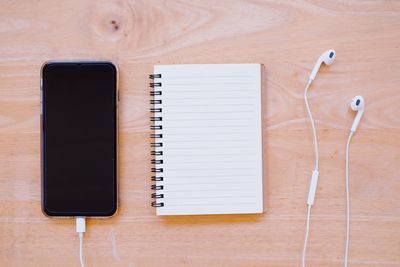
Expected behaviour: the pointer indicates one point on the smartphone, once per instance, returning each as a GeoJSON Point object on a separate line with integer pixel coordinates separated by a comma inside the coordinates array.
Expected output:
{"type": "Point", "coordinates": [79, 145]}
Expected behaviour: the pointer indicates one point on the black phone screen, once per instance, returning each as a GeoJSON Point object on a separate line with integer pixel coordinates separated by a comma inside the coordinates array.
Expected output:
{"type": "Point", "coordinates": [79, 139]}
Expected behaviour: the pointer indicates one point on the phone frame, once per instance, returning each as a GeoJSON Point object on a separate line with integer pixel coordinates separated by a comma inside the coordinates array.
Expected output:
{"type": "Point", "coordinates": [83, 61]}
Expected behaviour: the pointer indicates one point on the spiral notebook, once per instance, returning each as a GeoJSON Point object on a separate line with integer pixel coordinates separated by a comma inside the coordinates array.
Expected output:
{"type": "Point", "coordinates": [206, 140]}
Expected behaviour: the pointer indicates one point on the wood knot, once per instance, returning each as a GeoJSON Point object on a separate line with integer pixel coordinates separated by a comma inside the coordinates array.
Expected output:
{"type": "Point", "coordinates": [115, 25]}
{"type": "Point", "coordinates": [111, 21]}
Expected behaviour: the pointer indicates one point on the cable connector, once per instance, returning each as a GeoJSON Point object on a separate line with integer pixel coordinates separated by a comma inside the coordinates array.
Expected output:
{"type": "Point", "coordinates": [80, 225]}
{"type": "Point", "coordinates": [80, 229]}
{"type": "Point", "coordinates": [313, 188]}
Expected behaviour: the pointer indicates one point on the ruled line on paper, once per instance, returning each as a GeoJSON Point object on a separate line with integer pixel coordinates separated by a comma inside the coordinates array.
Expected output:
{"type": "Point", "coordinates": [208, 83]}
{"type": "Point", "coordinates": [211, 190]}
{"type": "Point", "coordinates": [202, 90]}
{"type": "Point", "coordinates": [197, 134]}
{"type": "Point", "coordinates": [213, 204]}
{"type": "Point", "coordinates": [207, 197]}
{"type": "Point", "coordinates": [216, 176]}
{"type": "Point", "coordinates": [220, 169]}
{"type": "Point", "coordinates": [217, 161]}
{"type": "Point", "coordinates": [205, 126]}
{"type": "Point", "coordinates": [166, 105]}
{"type": "Point", "coordinates": [191, 148]}
{"type": "Point", "coordinates": [207, 77]}
{"type": "Point", "coordinates": [212, 97]}
{"type": "Point", "coordinates": [209, 112]}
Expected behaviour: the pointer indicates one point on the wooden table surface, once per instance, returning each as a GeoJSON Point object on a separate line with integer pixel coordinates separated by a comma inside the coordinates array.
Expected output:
{"type": "Point", "coordinates": [286, 36]}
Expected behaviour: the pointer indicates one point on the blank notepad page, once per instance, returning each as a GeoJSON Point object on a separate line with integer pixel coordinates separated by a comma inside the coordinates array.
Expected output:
{"type": "Point", "coordinates": [208, 147]}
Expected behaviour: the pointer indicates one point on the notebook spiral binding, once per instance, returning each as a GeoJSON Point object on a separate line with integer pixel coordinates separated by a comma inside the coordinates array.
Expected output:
{"type": "Point", "coordinates": [156, 118]}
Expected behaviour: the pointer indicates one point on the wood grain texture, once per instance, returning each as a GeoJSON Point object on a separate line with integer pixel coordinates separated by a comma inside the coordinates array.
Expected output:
{"type": "Point", "coordinates": [286, 36]}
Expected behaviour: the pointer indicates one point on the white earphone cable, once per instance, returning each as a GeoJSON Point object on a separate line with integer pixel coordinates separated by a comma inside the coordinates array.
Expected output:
{"type": "Point", "coordinates": [346, 254]}
{"type": "Point", "coordinates": [303, 258]}
{"type": "Point", "coordinates": [314, 130]}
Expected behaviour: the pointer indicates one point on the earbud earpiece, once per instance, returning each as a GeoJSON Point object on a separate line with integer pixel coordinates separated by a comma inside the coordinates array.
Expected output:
{"type": "Point", "coordinates": [327, 57]}
{"type": "Point", "coordinates": [357, 104]}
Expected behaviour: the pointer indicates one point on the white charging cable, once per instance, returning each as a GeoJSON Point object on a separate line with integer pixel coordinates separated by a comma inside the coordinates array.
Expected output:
{"type": "Point", "coordinates": [314, 176]}
{"type": "Point", "coordinates": [80, 229]}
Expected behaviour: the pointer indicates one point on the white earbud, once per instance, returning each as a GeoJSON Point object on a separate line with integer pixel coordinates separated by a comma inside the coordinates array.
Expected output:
{"type": "Point", "coordinates": [357, 104]}
{"type": "Point", "coordinates": [327, 57]}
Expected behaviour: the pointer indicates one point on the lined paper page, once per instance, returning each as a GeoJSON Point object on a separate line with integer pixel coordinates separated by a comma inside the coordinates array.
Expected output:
{"type": "Point", "coordinates": [211, 135]}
